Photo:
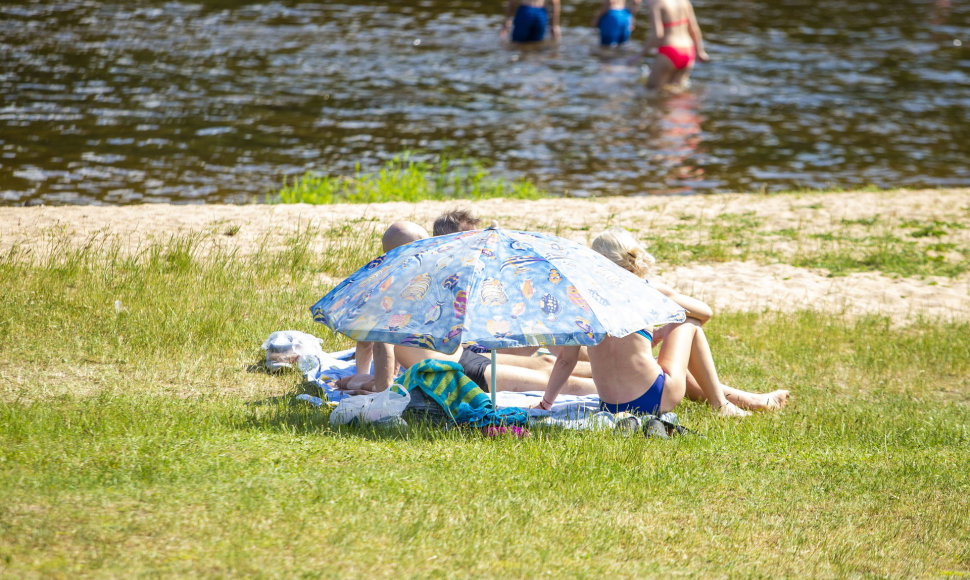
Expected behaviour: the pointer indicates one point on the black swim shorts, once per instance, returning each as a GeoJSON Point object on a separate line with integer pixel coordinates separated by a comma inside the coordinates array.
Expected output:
{"type": "Point", "coordinates": [474, 366]}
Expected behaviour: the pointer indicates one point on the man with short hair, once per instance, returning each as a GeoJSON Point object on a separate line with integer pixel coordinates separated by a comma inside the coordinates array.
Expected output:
{"type": "Point", "coordinates": [382, 354]}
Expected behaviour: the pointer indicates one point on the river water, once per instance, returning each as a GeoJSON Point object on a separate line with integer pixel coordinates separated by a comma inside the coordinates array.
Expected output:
{"type": "Point", "coordinates": [112, 102]}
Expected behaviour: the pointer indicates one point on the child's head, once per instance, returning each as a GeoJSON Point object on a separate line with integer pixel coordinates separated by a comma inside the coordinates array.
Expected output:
{"type": "Point", "coordinates": [458, 220]}
{"type": "Point", "coordinates": [624, 250]}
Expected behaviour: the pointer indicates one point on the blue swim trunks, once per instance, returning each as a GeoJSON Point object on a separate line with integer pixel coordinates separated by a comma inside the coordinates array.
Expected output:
{"type": "Point", "coordinates": [529, 24]}
{"type": "Point", "coordinates": [646, 404]}
{"type": "Point", "coordinates": [615, 27]}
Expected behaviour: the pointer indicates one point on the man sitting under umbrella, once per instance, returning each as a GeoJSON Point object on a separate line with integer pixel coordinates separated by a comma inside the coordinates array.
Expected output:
{"type": "Point", "coordinates": [385, 365]}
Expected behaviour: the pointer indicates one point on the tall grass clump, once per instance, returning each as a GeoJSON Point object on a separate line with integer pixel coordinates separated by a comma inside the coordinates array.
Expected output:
{"type": "Point", "coordinates": [405, 178]}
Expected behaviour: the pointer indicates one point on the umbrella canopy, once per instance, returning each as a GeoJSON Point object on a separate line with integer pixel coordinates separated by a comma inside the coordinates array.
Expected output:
{"type": "Point", "coordinates": [498, 288]}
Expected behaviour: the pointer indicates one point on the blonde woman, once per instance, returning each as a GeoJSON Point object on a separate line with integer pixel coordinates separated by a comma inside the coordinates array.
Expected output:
{"type": "Point", "coordinates": [625, 373]}
{"type": "Point", "coordinates": [624, 250]}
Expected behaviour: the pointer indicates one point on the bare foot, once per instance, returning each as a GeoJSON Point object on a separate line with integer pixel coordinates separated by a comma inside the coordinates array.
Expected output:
{"type": "Point", "coordinates": [758, 401]}
{"type": "Point", "coordinates": [359, 384]}
{"type": "Point", "coordinates": [729, 409]}
{"type": "Point", "coordinates": [775, 400]}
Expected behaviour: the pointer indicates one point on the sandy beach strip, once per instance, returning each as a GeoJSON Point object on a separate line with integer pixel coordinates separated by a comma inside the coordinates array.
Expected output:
{"type": "Point", "coordinates": [731, 285]}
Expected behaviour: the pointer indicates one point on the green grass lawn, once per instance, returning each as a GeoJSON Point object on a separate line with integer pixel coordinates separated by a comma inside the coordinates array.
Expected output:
{"type": "Point", "coordinates": [139, 437]}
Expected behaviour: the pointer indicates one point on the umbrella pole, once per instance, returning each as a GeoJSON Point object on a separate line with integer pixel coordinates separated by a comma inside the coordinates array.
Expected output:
{"type": "Point", "coordinates": [494, 386]}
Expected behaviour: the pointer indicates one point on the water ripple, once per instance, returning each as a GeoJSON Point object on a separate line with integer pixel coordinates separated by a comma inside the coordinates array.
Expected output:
{"type": "Point", "coordinates": [218, 100]}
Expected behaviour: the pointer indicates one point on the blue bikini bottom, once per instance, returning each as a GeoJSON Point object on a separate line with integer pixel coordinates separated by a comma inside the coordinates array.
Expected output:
{"type": "Point", "coordinates": [646, 404]}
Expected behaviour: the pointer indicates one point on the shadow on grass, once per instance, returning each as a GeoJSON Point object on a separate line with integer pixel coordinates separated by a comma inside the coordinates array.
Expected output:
{"type": "Point", "coordinates": [300, 416]}
{"type": "Point", "coordinates": [290, 414]}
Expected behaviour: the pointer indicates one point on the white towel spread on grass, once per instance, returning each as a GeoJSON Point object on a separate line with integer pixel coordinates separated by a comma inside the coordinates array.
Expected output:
{"type": "Point", "coordinates": [570, 411]}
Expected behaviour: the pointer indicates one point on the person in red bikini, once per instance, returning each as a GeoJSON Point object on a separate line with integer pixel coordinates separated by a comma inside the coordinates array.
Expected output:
{"type": "Point", "coordinates": [676, 37]}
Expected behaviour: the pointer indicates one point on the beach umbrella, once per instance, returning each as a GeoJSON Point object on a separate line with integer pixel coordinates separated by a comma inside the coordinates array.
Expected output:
{"type": "Point", "coordinates": [497, 288]}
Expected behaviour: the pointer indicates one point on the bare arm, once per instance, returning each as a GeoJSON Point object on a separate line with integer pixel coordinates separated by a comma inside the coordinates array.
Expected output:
{"type": "Point", "coordinates": [603, 10]}
{"type": "Point", "coordinates": [635, 5]}
{"type": "Point", "coordinates": [566, 358]}
{"type": "Point", "coordinates": [654, 36]}
{"type": "Point", "coordinates": [554, 5]}
{"type": "Point", "coordinates": [384, 366]}
{"type": "Point", "coordinates": [510, 9]}
{"type": "Point", "coordinates": [695, 34]}
{"type": "Point", "coordinates": [695, 308]}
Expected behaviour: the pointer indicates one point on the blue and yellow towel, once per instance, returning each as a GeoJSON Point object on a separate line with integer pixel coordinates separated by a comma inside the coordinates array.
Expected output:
{"type": "Point", "coordinates": [444, 382]}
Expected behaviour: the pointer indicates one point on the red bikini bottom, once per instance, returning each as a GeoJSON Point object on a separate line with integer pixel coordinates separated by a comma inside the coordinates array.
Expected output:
{"type": "Point", "coordinates": [681, 56]}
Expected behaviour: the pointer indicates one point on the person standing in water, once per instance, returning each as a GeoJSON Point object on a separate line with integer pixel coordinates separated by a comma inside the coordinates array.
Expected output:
{"type": "Point", "coordinates": [615, 21]}
{"type": "Point", "coordinates": [676, 37]}
{"type": "Point", "coordinates": [528, 19]}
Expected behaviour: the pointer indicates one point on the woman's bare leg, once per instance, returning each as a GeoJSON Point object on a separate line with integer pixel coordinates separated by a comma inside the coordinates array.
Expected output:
{"type": "Point", "coordinates": [509, 377]}
{"type": "Point", "coordinates": [678, 78]}
{"type": "Point", "coordinates": [699, 366]}
{"type": "Point", "coordinates": [660, 72]}
{"type": "Point", "coordinates": [539, 363]}
{"type": "Point", "coordinates": [673, 357]}
{"type": "Point", "coordinates": [744, 399]}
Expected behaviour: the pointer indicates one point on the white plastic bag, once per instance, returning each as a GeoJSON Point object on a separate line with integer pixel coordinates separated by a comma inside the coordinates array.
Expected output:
{"type": "Point", "coordinates": [370, 408]}
{"type": "Point", "coordinates": [285, 347]}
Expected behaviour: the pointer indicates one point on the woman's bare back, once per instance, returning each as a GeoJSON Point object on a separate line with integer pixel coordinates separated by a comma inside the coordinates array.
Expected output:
{"type": "Point", "coordinates": [623, 368]}
{"type": "Point", "coordinates": [674, 25]}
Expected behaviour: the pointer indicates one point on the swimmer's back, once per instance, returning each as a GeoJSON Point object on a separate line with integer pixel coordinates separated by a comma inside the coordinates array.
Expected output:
{"type": "Point", "coordinates": [675, 22]}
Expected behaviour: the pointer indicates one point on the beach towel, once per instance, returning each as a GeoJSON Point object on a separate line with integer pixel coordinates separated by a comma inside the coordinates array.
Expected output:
{"type": "Point", "coordinates": [485, 416]}
{"type": "Point", "coordinates": [569, 411]}
{"type": "Point", "coordinates": [445, 383]}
